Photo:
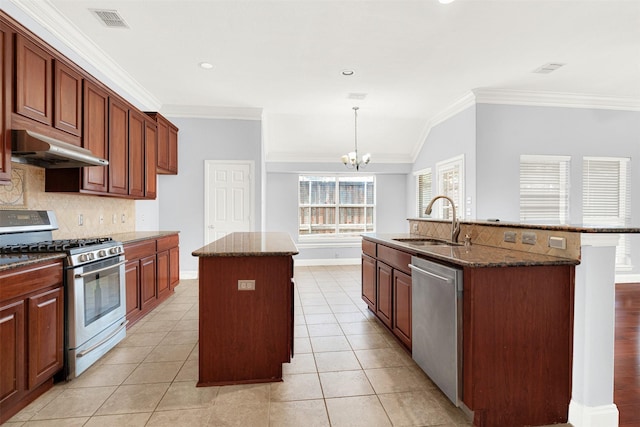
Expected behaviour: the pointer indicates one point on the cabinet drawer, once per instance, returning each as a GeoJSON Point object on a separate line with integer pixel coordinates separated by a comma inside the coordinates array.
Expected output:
{"type": "Point", "coordinates": [140, 249]}
{"type": "Point", "coordinates": [25, 280]}
{"type": "Point", "coordinates": [395, 258]}
{"type": "Point", "coordinates": [168, 242]}
{"type": "Point", "coordinates": [369, 248]}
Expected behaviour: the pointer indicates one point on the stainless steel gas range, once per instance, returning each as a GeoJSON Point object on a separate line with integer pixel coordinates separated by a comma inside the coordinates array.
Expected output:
{"type": "Point", "coordinates": [95, 293]}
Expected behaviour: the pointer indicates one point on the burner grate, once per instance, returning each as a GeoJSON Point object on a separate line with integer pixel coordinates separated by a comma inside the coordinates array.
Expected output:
{"type": "Point", "coordinates": [61, 245]}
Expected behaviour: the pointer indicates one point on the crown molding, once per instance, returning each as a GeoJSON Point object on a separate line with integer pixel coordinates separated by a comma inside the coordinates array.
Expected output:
{"type": "Point", "coordinates": [211, 112]}
{"type": "Point", "coordinates": [554, 99]}
{"type": "Point", "coordinates": [49, 18]}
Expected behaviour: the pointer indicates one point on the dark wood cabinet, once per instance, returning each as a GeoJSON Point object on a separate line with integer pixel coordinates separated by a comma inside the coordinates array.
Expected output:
{"type": "Point", "coordinates": [33, 88]}
{"type": "Point", "coordinates": [136, 154]}
{"type": "Point", "coordinates": [31, 333]}
{"type": "Point", "coordinates": [167, 145]}
{"type": "Point", "coordinates": [402, 307]}
{"type": "Point", "coordinates": [152, 271]}
{"type": "Point", "coordinates": [384, 306]}
{"type": "Point", "coordinates": [45, 357]}
{"type": "Point", "coordinates": [150, 159]}
{"type": "Point", "coordinates": [118, 147]}
{"type": "Point", "coordinates": [369, 281]}
{"type": "Point", "coordinates": [67, 98]}
{"type": "Point", "coordinates": [6, 56]}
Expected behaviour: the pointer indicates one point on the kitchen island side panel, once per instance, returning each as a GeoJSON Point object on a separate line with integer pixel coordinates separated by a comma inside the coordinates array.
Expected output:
{"type": "Point", "coordinates": [244, 334]}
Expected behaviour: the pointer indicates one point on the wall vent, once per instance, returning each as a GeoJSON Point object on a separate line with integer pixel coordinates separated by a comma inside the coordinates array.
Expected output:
{"type": "Point", "coordinates": [357, 96]}
{"type": "Point", "coordinates": [548, 68]}
{"type": "Point", "coordinates": [110, 18]}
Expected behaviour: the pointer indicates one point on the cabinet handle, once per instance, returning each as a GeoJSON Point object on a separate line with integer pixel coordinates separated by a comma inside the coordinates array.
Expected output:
{"type": "Point", "coordinates": [95, 346]}
{"type": "Point", "coordinates": [79, 276]}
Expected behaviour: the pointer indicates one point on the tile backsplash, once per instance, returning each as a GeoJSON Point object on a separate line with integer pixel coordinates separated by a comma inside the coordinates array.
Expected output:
{"type": "Point", "coordinates": [101, 216]}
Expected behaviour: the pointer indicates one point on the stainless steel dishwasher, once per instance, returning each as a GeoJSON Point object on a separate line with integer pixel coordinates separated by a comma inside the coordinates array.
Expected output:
{"type": "Point", "coordinates": [436, 321]}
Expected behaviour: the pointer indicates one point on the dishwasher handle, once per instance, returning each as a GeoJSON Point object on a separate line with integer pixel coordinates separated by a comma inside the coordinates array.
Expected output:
{"type": "Point", "coordinates": [428, 273]}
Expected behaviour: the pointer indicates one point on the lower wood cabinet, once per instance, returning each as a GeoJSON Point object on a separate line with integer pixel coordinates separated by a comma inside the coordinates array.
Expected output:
{"type": "Point", "coordinates": [386, 287]}
{"type": "Point", "coordinates": [152, 271]}
{"type": "Point", "coordinates": [31, 333]}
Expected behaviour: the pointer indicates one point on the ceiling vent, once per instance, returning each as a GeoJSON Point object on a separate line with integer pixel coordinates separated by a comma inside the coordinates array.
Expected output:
{"type": "Point", "coordinates": [357, 96]}
{"type": "Point", "coordinates": [548, 68]}
{"type": "Point", "coordinates": [110, 18]}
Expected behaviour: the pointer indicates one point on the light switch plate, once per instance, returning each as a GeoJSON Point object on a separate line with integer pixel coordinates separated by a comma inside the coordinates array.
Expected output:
{"type": "Point", "coordinates": [529, 238]}
{"type": "Point", "coordinates": [510, 236]}
{"type": "Point", "coordinates": [246, 285]}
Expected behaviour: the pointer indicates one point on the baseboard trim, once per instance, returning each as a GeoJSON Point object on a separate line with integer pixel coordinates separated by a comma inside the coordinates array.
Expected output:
{"type": "Point", "coordinates": [328, 261]}
{"type": "Point", "coordinates": [627, 278]}
{"type": "Point", "coordinates": [593, 416]}
{"type": "Point", "coordinates": [187, 275]}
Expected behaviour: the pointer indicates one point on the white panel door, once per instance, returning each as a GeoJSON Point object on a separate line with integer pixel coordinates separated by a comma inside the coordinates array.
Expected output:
{"type": "Point", "coordinates": [228, 198]}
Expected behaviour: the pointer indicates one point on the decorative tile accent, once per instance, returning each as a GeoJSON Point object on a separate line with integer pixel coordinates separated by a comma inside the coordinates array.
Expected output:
{"type": "Point", "coordinates": [26, 191]}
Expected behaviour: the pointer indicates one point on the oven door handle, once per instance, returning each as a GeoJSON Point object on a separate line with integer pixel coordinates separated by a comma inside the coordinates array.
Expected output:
{"type": "Point", "coordinates": [100, 270]}
{"type": "Point", "coordinates": [111, 335]}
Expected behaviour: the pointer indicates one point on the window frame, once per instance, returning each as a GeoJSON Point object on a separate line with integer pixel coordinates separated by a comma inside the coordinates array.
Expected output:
{"type": "Point", "coordinates": [564, 189]}
{"type": "Point", "coordinates": [444, 167]}
{"type": "Point", "coordinates": [421, 200]}
{"type": "Point", "coordinates": [337, 236]}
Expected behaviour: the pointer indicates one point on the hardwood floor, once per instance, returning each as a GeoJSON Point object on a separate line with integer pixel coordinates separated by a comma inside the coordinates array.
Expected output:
{"type": "Point", "coordinates": [627, 354]}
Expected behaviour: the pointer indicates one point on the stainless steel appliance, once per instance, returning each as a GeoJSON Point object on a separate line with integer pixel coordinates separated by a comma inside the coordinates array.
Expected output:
{"type": "Point", "coordinates": [436, 328]}
{"type": "Point", "coordinates": [95, 305]}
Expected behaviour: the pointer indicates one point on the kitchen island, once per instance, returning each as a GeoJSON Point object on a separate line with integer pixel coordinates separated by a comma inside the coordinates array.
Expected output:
{"type": "Point", "coordinates": [246, 308]}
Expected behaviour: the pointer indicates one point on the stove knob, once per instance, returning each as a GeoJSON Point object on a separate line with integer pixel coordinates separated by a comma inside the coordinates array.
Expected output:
{"type": "Point", "coordinates": [115, 250]}
{"type": "Point", "coordinates": [90, 256]}
{"type": "Point", "coordinates": [102, 253]}
{"type": "Point", "coordinates": [82, 258]}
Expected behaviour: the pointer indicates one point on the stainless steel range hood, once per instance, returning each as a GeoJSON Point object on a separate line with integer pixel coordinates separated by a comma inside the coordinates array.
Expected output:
{"type": "Point", "coordinates": [35, 149]}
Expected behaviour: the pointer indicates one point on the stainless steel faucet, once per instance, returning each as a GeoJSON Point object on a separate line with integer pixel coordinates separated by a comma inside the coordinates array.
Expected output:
{"type": "Point", "coordinates": [455, 222]}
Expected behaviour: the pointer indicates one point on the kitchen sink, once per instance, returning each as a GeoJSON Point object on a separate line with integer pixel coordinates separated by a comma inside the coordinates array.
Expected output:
{"type": "Point", "coordinates": [420, 241]}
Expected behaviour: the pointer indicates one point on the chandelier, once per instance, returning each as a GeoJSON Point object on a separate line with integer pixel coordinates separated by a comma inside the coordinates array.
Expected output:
{"type": "Point", "coordinates": [351, 159]}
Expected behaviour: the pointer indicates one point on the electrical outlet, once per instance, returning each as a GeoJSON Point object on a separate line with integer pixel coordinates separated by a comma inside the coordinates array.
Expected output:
{"type": "Point", "coordinates": [557, 242]}
{"type": "Point", "coordinates": [415, 228]}
{"type": "Point", "coordinates": [114, 218]}
{"type": "Point", "coordinates": [101, 219]}
{"type": "Point", "coordinates": [529, 238]}
{"type": "Point", "coordinates": [510, 236]}
{"type": "Point", "coordinates": [80, 219]}
{"type": "Point", "coordinates": [122, 218]}
{"type": "Point", "coordinates": [246, 285]}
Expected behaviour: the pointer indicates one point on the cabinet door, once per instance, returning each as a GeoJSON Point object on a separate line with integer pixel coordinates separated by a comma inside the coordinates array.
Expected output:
{"type": "Point", "coordinates": [6, 37]}
{"type": "Point", "coordinates": [46, 323]}
{"type": "Point", "coordinates": [163, 274]}
{"type": "Point", "coordinates": [132, 283]}
{"type": "Point", "coordinates": [173, 150]}
{"type": "Point", "coordinates": [163, 145]}
{"type": "Point", "coordinates": [148, 280]}
{"type": "Point", "coordinates": [33, 81]}
{"type": "Point", "coordinates": [174, 266]}
{"type": "Point", "coordinates": [136, 154]}
{"type": "Point", "coordinates": [150, 159]}
{"type": "Point", "coordinates": [384, 296]}
{"type": "Point", "coordinates": [402, 307]}
{"type": "Point", "coordinates": [12, 319]}
{"type": "Point", "coordinates": [369, 281]}
{"type": "Point", "coordinates": [67, 90]}
{"type": "Point", "coordinates": [118, 147]}
{"type": "Point", "coordinates": [95, 135]}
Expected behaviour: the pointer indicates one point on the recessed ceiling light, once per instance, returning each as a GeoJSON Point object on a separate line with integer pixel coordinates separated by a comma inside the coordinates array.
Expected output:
{"type": "Point", "coordinates": [206, 65]}
{"type": "Point", "coordinates": [348, 72]}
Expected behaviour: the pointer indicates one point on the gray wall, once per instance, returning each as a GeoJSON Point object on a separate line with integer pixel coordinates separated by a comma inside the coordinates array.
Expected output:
{"type": "Point", "coordinates": [451, 138]}
{"type": "Point", "coordinates": [181, 197]}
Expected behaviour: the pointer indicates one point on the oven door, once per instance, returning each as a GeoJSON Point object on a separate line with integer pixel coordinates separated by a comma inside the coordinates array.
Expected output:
{"type": "Point", "coordinates": [96, 299]}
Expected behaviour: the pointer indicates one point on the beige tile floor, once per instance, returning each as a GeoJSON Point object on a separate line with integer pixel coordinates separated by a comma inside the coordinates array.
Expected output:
{"type": "Point", "coordinates": [347, 371]}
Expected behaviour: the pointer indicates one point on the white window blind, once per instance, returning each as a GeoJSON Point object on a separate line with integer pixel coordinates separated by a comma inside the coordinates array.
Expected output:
{"type": "Point", "coordinates": [544, 189]}
{"type": "Point", "coordinates": [606, 198]}
{"type": "Point", "coordinates": [335, 206]}
{"type": "Point", "coordinates": [424, 190]}
{"type": "Point", "coordinates": [450, 175]}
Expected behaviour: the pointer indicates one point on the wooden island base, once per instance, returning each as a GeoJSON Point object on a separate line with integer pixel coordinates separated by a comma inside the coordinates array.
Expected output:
{"type": "Point", "coordinates": [245, 335]}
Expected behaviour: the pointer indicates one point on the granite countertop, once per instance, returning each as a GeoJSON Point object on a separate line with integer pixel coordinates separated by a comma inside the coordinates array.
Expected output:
{"type": "Point", "coordinates": [137, 236]}
{"type": "Point", "coordinates": [468, 256]}
{"type": "Point", "coordinates": [578, 228]}
{"type": "Point", "coordinates": [249, 244]}
{"type": "Point", "coordinates": [11, 261]}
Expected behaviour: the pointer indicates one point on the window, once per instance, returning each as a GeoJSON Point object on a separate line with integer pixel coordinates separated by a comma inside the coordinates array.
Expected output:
{"type": "Point", "coordinates": [332, 206]}
{"type": "Point", "coordinates": [544, 189]}
{"type": "Point", "coordinates": [450, 175]}
{"type": "Point", "coordinates": [424, 190]}
{"type": "Point", "coordinates": [606, 199]}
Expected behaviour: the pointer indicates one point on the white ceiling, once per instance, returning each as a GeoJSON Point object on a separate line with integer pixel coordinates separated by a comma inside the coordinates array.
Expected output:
{"type": "Point", "coordinates": [282, 61]}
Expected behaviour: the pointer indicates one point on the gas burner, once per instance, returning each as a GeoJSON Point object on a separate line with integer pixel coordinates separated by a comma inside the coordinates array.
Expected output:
{"type": "Point", "coordinates": [62, 245]}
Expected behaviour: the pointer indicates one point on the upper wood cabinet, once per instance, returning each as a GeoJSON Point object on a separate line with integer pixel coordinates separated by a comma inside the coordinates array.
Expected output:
{"type": "Point", "coordinates": [167, 145]}
{"type": "Point", "coordinates": [67, 113]}
{"type": "Point", "coordinates": [150, 159]}
{"type": "Point", "coordinates": [136, 153]}
{"type": "Point", "coordinates": [95, 136]}
{"type": "Point", "coordinates": [118, 147]}
{"type": "Point", "coordinates": [6, 38]}
{"type": "Point", "coordinates": [34, 95]}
